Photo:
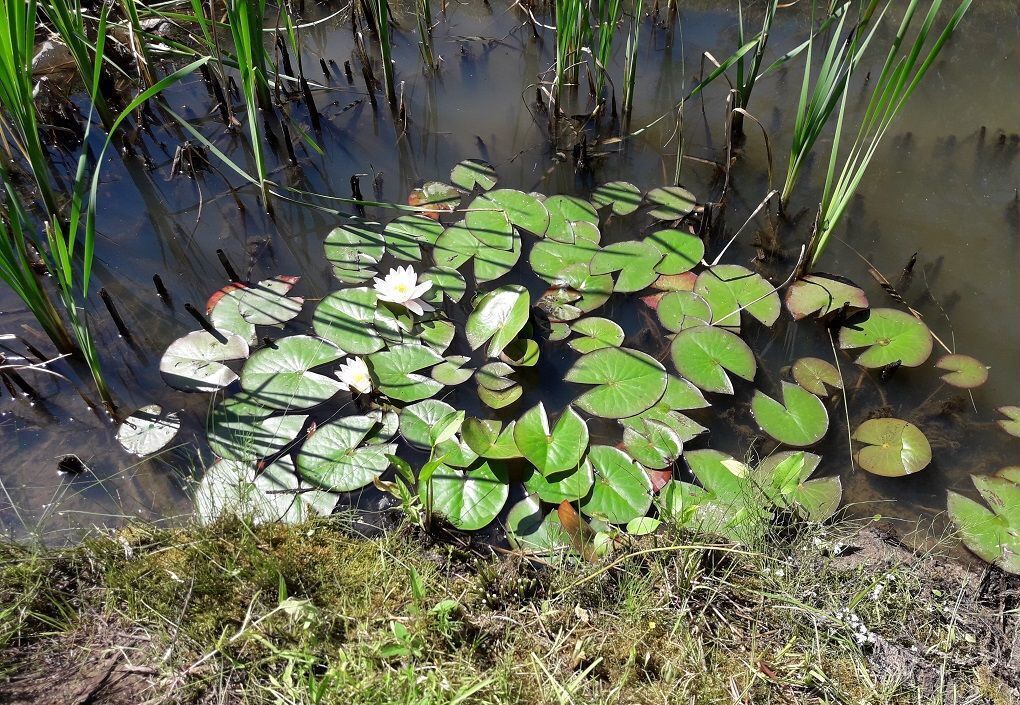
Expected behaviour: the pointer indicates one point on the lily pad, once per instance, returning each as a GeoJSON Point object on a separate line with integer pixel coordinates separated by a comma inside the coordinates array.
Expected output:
{"type": "Point", "coordinates": [549, 258]}
{"type": "Point", "coordinates": [267, 303]}
{"type": "Point", "coordinates": [489, 223]}
{"type": "Point", "coordinates": [451, 371]}
{"type": "Point", "coordinates": [784, 477]}
{"type": "Point", "coordinates": [498, 318]}
{"type": "Point", "coordinates": [354, 249]}
{"type": "Point", "coordinates": [635, 260]}
{"type": "Point", "coordinates": [563, 212]}
{"type": "Point", "coordinates": [681, 251]}
{"type": "Point", "coordinates": [816, 375]}
{"type": "Point", "coordinates": [621, 491]}
{"type": "Point", "coordinates": [239, 428]}
{"type": "Point", "coordinates": [405, 235]}
{"type": "Point", "coordinates": [596, 333]}
{"type": "Point", "coordinates": [1010, 424]}
{"type": "Point", "coordinates": [273, 495]}
{"type": "Point", "coordinates": [730, 289]}
{"type": "Point", "coordinates": [624, 197]}
{"type": "Point", "coordinates": [489, 439]}
{"type": "Point", "coordinates": [397, 368]}
{"type": "Point", "coordinates": [654, 444]}
{"type": "Point", "coordinates": [474, 172]}
{"type": "Point", "coordinates": [193, 363]}
{"type": "Point", "coordinates": [992, 534]}
{"type": "Point", "coordinates": [705, 354]}
{"type": "Point", "coordinates": [891, 447]}
{"type": "Point", "coordinates": [963, 371]}
{"type": "Point", "coordinates": [337, 458]}
{"type": "Point", "coordinates": [280, 376]}
{"type": "Point", "coordinates": [522, 209]}
{"type": "Point", "coordinates": [521, 352]}
{"type": "Point", "coordinates": [435, 197]}
{"type": "Point", "coordinates": [418, 420]}
{"type": "Point", "coordinates": [491, 263]}
{"type": "Point", "coordinates": [553, 450]}
{"type": "Point", "coordinates": [531, 530]}
{"type": "Point", "coordinates": [564, 486]}
{"type": "Point", "coordinates": [446, 283]}
{"type": "Point", "coordinates": [594, 289]}
{"type": "Point", "coordinates": [626, 381]}
{"type": "Point", "coordinates": [679, 310]}
{"type": "Point", "coordinates": [469, 499]}
{"type": "Point", "coordinates": [224, 311]}
{"type": "Point", "coordinates": [346, 318]}
{"type": "Point", "coordinates": [671, 202]}
{"type": "Point", "coordinates": [148, 430]}
{"type": "Point", "coordinates": [889, 336]}
{"type": "Point", "coordinates": [455, 246]}
{"type": "Point", "coordinates": [800, 420]}
{"type": "Point", "coordinates": [823, 295]}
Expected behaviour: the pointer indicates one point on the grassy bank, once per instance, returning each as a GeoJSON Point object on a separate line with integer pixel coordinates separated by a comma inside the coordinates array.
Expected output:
{"type": "Point", "coordinates": [316, 614]}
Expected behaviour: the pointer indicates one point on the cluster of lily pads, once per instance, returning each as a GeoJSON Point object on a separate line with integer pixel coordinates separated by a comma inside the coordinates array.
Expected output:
{"type": "Point", "coordinates": [334, 408]}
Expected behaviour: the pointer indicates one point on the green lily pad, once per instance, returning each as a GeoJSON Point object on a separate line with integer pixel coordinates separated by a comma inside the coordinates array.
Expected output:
{"type": "Point", "coordinates": [1010, 424]}
{"type": "Point", "coordinates": [418, 420]}
{"type": "Point", "coordinates": [681, 251]}
{"type": "Point", "coordinates": [489, 223]}
{"type": "Point", "coordinates": [489, 439]}
{"type": "Point", "coordinates": [347, 318]}
{"type": "Point", "coordinates": [653, 443]}
{"type": "Point", "coordinates": [679, 310]}
{"type": "Point", "coordinates": [1011, 473]}
{"type": "Point", "coordinates": [686, 428]}
{"type": "Point", "coordinates": [455, 246]}
{"type": "Point", "coordinates": [564, 486]}
{"type": "Point", "coordinates": [624, 197]}
{"type": "Point", "coordinates": [522, 209]}
{"type": "Point", "coordinates": [730, 288]}
{"type": "Point", "coordinates": [446, 283]}
{"type": "Point", "coordinates": [816, 375]}
{"type": "Point", "coordinates": [784, 477]}
{"type": "Point", "coordinates": [405, 235]}
{"type": "Point", "coordinates": [530, 530]}
{"type": "Point", "coordinates": [963, 371]}
{"type": "Point", "coordinates": [397, 368]}
{"type": "Point", "coordinates": [225, 314]}
{"type": "Point", "coordinates": [621, 491]}
{"type": "Point", "coordinates": [549, 258]}
{"type": "Point", "coordinates": [491, 263]}
{"type": "Point", "coordinates": [596, 333]}
{"type": "Point", "coordinates": [626, 381]}
{"type": "Point", "coordinates": [553, 450]}
{"type": "Point", "coordinates": [193, 363]}
{"type": "Point", "coordinates": [681, 395]}
{"type": "Point", "coordinates": [558, 304]}
{"type": "Point", "coordinates": [891, 447]}
{"type": "Point", "coordinates": [594, 289]}
{"type": "Point", "coordinates": [705, 354]}
{"type": "Point", "coordinates": [267, 303]}
{"type": "Point", "coordinates": [434, 197]}
{"type": "Point", "coordinates": [671, 202]}
{"type": "Point", "coordinates": [337, 457]}
{"type": "Point", "coordinates": [239, 428]}
{"type": "Point", "coordinates": [148, 430]}
{"type": "Point", "coordinates": [354, 249]}
{"type": "Point", "coordinates": [502, 398]}
{"type": "Point", "coordinates": [495, 387]}
{"type": "Point", "coordinates": [281, 375]}
{"type": "Point", "coordinates": [992, 534]}
{"type": "Point", "coordinates": [498, 318]}
{"type": "Point", "coordinates": [469, 499]}
{"type": "Point", "coordinates": [563, 212]}
{"type": "Point", "coordinates": [229, 487]}
{"type": "Point", "coordinates": [889, 336]}
{"type": "Point", "coordinates": [474, 172]}
{"type": "Point", "coordinates": [436, 333]}
{"type": "Point", "coordinates": [800, 420]}
{"type": "Point", "coordinates": [451, 371]}
{"type": "Point", "coordinates": [823, 295]}
{"type": "Point", "coordinates": [635, 260]}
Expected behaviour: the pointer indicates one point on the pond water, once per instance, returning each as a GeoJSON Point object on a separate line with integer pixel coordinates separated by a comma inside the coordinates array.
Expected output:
{"type": "Point", "coordinates": [943, 185]}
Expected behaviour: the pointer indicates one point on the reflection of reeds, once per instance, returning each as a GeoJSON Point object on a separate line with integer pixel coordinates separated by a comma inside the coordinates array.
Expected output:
{"type": "Point", "coordinates": [424, 16]}
{"type": "Point", "coordinates": [900, 76]}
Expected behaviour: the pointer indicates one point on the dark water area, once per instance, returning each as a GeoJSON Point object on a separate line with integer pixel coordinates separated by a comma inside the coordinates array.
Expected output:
{"type": "Point", "coordinates": [943, 184]}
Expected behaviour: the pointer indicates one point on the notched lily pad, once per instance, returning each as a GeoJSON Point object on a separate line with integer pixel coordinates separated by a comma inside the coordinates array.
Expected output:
{"type": "Point", "coordinates": [474, 172]}
{"type": "Point", "coordinates": [193, 363]}
{"type": "Point", "coordinates": [1010, 424]}
{"type": "Point", "coordinates": [730, 289]}
{"type": "Point", "coordinates": [469, 499]}
{"type": "Point", "coordinates": [816, 375]}
{"type": "Point", "coordinates": [626, 381]}
{"type": "Point", "coordinates": [889, 335]}
{"type": "Point", "coordinates": [705, 354]}
{"type": "Point", "coordinates": [963, 371]}
{"type": "Point", "coordinates": [800, 420]}
{"type": "Point", "coordinates": [280, 376]}
{"type": "Point", "coordinates": [434, 197]}
{"type": "Point", "coordinates": [624, 197]}
{"type": "Point", "coordinates": [892, 447]}
{"type": "Point", "coordinates": [148, 430]}
{"type": "Point", "coordinates": [671, 202]}
{"type": "Point", "coordinates": [823, 295]}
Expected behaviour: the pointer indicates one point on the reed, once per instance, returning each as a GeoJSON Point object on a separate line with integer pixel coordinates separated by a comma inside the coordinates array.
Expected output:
{"type": "Point", "coordinates": [380, 17]}
{"type": "Point", "coordinates": [747, 72]}
{"type": "Point", "coordinates": [819, 99]}
{"type": "Point", "coordinates": [630, 60]}
{"type": "Point", "coordinates": [573, 33]}
{"type": "Point", "coordinates": [901, 73]}
{"type": "Point", "coordinates": [608, 18]}
{"type": "Point", "coordinates": [424, 16]}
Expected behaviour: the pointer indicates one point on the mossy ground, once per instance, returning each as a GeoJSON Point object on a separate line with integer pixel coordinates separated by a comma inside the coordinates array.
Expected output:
{"type": "Point", "coordinates": [316, 614]}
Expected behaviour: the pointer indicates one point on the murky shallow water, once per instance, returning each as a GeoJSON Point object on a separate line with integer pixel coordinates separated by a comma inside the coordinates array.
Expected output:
{"type": "Point", "coordinates": [943, 185]}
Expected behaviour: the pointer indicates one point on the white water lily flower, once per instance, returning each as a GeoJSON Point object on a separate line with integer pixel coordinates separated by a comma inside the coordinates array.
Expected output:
{"type": "Point", "coordinates": [401, 286]}
{"type": "Point", "coordinates": [354, 376]}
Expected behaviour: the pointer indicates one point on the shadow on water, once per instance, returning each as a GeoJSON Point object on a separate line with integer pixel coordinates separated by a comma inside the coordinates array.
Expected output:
{"type": "Point", "coordinates": [943, 186]}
